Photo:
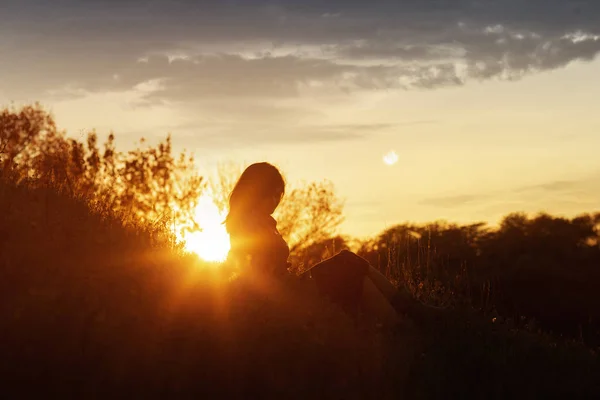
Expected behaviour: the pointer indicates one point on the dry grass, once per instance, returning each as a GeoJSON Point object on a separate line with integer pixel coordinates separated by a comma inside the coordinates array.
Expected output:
{"type": "Point", "coordinates": [94, 307]}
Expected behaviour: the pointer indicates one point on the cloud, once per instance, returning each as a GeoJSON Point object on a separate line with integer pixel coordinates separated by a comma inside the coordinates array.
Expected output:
{"type": "Point", "coordinates": [239, 135]}
{"type": "Point", "coordinates": [584, 190]}
{"type": "Point", "coordinates": [567, 196]}
{"type": "Point", "coordinates": [452, 201]}
{"type": "Point", "coordinates": [266, 49]}
{"type": "Point", "coordinates": [553, 186]}
{"type": "Point", "coordinates": [252, 65]}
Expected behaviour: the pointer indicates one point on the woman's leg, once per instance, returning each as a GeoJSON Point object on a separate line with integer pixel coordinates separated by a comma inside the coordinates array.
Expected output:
{"type": "Point", "coordinates": [340, 278]}
{"type": "Point", "coordinates": [399, 298]}
{"type": "Point", "coordinates": [375, 303]}
{"type": "Point", "coordinates": [350, 280]}
{"type": "Point", "coordinates": [383, 284]}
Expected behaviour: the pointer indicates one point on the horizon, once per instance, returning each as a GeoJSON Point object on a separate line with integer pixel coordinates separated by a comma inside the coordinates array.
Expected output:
{"type": "Point", "coordinates": [490, 107]}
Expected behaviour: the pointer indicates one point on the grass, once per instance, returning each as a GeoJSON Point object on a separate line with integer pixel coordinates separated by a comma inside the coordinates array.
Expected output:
{"type": "Point", "coordinates": [93, 306]}
{"type": "Point", "coordinates": [469, 356]}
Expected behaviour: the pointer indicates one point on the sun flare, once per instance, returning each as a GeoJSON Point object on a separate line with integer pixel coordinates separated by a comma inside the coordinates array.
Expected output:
{"type": "Point", "coordinates": [211, 243]}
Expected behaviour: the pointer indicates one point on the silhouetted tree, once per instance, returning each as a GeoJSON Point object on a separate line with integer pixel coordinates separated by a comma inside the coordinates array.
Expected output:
{"type": "Point", "coordinates": [222, 182]}
{"type": "Point", "coordinates": [309, 214]}
{"type": "Point", "coordinates": [543, 268]}
{"type": "Point", "coordinates": [150, 184]}
{"type": "Point", "coordinates": [156, 185]}
{"type": "Point", "coordinates": [20, 129]}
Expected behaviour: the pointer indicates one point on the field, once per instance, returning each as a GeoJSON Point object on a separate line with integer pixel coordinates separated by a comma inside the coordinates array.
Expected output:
{"type": "Point", "coordinates": [93, 307]}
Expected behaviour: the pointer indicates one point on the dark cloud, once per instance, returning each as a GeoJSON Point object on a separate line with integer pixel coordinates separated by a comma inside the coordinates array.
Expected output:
{"type": "Point", "coordinates": [273, 48]}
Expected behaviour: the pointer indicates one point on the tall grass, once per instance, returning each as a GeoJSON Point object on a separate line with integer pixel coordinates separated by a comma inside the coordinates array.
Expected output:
{"type": "Point", "coordinates": [472, 352]}
{"type": "Point", "coordinates": [93, 305]}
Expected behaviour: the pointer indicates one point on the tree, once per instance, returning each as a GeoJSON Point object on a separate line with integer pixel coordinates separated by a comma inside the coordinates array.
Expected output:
{"type": "Point", "coordinates": [222, 182]}
{"type": "Point", "coordinates": [20, 128]}
{"type": "Point", "coordinates": [149, 184]}
{"type": "Point", "coordinates": [309, 214]}
{"type": "Point", "coordinates": [156, 185]}
{"type": "Point", "coordinates": [20, 131]}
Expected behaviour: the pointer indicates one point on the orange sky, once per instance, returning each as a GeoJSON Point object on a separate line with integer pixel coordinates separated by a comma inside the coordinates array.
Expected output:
{"type": "Point", "coordinates": [491, 109]}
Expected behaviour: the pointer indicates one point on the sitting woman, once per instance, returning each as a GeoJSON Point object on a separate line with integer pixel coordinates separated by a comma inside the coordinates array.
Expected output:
{"type": "Point", "coordinates": [346, 279]}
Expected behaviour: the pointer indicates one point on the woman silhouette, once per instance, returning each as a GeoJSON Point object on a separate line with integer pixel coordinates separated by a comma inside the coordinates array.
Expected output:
{"type": "Point", "coordinates": [346, 279]}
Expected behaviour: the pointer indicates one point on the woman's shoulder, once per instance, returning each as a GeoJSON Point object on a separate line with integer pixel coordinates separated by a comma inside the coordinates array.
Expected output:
{"type": "Point", "coordinates": [255, 223]}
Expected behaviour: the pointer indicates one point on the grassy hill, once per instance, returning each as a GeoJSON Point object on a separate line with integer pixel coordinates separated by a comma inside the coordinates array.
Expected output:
{"type": "Point", "coordinates": [92, 307]}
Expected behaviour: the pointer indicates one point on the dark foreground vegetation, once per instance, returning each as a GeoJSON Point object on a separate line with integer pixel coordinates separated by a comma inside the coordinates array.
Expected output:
{"type": "Point", "coordinates": [92, 308]}
{"type": "Point", "coordinates": [98, 303]}
{"type": "Point", "coordinates": [541, 272]}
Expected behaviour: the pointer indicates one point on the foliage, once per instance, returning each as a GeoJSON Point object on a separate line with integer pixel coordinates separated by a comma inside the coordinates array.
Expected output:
{"type": "Point", "coordinates": [20, 133]}
{"type": "Point", "coordinates": [223, 181]}
{"type": "Point", "coordinates": [470, 356]}
{"type": "Point", "coordinates": [97, 300]}
{"type": "Point", "coordinates": [103, 307]}
{"type": "Point", "coordinates": [157, 185]}
{"type": "Point", "coordinates": [149, 184]}
{"type": "Point", "coordinates": [309, 214]}
{"type": "Point", "coordinates": [542, 268]}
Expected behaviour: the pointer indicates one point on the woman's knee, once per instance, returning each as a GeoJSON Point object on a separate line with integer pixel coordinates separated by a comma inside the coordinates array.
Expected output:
{"type": "Point", "coordinates": [343, 256]}
{"type": "Point", "coordinates": [350, 256]}
{"type": "Point", "coordinates": [345, 253]}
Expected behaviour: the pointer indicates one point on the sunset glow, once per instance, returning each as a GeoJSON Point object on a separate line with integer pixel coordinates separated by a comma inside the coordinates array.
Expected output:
{"type": "Point", "coordinates": [328, 90]}
{"type": "Point", "coordinates": [211, 243]}
{"type": "Point", "coordinates": [300, 198]}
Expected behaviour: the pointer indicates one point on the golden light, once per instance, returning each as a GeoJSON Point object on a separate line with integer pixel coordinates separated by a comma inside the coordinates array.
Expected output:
{"type": "Point", "coordinates": [212, 242]}
{"type": "Point", "coordinates": [390, 158]}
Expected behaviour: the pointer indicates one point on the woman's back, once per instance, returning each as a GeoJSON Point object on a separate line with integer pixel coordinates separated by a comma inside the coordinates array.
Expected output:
{"type": "Point", "coordinates": [256, 243]}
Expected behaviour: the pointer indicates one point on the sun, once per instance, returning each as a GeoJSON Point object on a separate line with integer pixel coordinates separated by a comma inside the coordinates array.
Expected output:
{"type": "Point", "coordinates": [211, 243]}
{"type": "Point", "coordinates": [390, 158]}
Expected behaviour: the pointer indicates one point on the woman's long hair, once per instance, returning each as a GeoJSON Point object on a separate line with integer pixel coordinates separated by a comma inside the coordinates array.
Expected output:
{"type": "Point", "coordinates": [258, 182]}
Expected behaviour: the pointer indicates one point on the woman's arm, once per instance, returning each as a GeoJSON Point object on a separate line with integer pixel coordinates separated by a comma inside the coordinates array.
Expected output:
{"type": "Point", "coordinates": [268, 251]}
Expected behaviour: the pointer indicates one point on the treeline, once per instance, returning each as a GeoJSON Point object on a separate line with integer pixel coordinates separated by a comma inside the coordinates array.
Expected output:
{"type": "Point", "coordinates": [540, 271]}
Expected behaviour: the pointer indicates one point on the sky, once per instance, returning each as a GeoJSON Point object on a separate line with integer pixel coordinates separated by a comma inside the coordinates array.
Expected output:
{"type": "Point", "coordinates": [491, 105]}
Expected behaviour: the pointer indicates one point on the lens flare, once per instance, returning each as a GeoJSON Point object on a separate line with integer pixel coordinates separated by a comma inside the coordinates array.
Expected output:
{"type": "Point", "coordinates": [390, 158]}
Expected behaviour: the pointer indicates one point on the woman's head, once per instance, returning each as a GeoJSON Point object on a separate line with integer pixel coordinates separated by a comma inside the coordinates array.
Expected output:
{"type": "Point", "coordinates": [259, 190]}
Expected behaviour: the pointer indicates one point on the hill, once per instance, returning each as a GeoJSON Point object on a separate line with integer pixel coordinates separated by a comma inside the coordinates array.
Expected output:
{"type": "Point", "coordinates": [92, 306]}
